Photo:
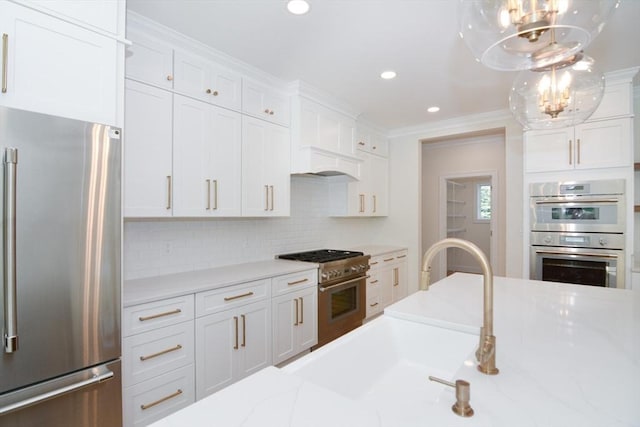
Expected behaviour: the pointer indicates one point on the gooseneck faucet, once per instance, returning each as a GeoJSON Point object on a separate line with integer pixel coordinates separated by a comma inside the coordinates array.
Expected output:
{"type": "Point", "coordinates": [486, 353]}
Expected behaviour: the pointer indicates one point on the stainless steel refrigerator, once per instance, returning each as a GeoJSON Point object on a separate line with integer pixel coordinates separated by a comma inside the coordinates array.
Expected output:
{"type": "Point", "coordinates": [61, 243]}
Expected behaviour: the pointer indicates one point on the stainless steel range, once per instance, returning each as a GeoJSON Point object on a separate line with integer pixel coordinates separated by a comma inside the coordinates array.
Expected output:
{"type": "Point", "coordinates": [341, 290]}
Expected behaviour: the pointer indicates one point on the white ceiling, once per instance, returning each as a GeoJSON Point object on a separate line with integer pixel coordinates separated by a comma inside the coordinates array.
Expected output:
{"type": "Point", "coordinates": [341, 47]}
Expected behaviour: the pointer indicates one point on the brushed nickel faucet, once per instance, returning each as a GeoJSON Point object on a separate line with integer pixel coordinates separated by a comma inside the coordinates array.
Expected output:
{"type": "Point", "coordinates": [486, 353]}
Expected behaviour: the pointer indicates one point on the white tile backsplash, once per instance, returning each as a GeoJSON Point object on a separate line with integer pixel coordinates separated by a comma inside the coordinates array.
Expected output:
{"type": "Point", "coordinates": [156, 247]}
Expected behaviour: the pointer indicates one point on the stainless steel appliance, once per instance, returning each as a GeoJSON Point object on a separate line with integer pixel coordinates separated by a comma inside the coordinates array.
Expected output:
{"type": "Point", "coordinates": [61, 239]}
{"type": "Point", "coordinates": [342, 277]}
{"type": "Point", "coordinates": [577, 233]}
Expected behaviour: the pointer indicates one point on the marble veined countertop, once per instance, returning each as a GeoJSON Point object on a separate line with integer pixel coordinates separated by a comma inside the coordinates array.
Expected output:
{"type": "Point", "coordinates": [568, 355]}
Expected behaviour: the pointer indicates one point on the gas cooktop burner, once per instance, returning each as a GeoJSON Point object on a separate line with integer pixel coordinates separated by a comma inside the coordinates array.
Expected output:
{"type": "Point", "coordinates": [321, 255]}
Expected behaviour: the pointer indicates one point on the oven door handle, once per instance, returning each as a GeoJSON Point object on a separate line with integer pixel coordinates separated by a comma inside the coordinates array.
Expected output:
{"type": "Point", "coordinates": [591, 254]}
{"type": "Point", "coordinates": [322, 288]}
{"type": "Point", "coordinates": [580, 201]}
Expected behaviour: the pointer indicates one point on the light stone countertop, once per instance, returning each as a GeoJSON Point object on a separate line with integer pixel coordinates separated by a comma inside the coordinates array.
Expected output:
{"type": "Point", "coordinates": [375, 250]}
{"type": "Point", "coordinates": [568, 355]}
{"type": "Point", "coordinates": [149, 289]}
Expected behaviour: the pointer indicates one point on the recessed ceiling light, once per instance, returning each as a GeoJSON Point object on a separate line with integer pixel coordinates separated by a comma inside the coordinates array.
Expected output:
{"type": "Point", "coordinates": [433, 109]}
{"type": "Point", "coordinates": [298, 7]}
{"type": "Point", "coordinates": [387, 75]}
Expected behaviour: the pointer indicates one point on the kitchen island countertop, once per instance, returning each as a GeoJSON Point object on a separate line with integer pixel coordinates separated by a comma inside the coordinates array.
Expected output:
{"type": "Point", "coordinates": [568, 355]}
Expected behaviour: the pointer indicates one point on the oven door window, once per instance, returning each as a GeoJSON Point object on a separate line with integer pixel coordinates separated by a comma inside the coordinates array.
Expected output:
{"type": "Point", "coordinates": [594, 273]}
{"type": "Point", "coordinates": [576, 214]}
{"type": "Point", "coordinates": [344, 302]}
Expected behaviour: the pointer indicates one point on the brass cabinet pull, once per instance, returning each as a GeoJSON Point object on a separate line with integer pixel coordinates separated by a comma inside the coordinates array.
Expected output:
{"type": "Point", "coordinates": [160, 353]}
{"type": "Point", "coordinates": [396, 282]}
{"type": "Point", "coordinates": [360, 143]}
{"type": "Point", "coordinates": [373, 263]}
{"type": "Point", "coordinates": [373, 305]}
{"type": "Point", "coordinates": [266, 110]}
{"type": "Point", "coordinates": [155, 316]}
{"type": "Point", "coordinates": [271, 188]}
{"type": "Point", "coordinates": [374, 281]}
{"type": "Point", "coordinates": [570, 153]}
{"type": "Point", "coordinates": [235, 320]}
{"type": "Point", "coordinates": [375, 204]}
{"type": "Point", "coordinates": [169, 191]}
{"type": "Point", "coordinates": [361, 203]}
{"type": "Point", "coordinates": [374, 147]}
{"type": "Point", "coordinates": [212, 92]}
{"type": "Point", "coordinates": [578, 150]}
{"type": "Point", "coordinates": [208, 193]}
{"type": "Point", "coordinates": [297, 313]}
{"type": "Point", "coordinates": [215, 194]}
{"type": "Point", "coordinates": [301, 311]}
{"type": "Point", "coordinates": [389, 259]}
{"type": "Point", "coordinates": [5, 60]}
{"type": "Point", "coordinates": [169, 77]}
{"type": "Point", "coordinates": [248, 294]}
{"type": "Point", "coordinates": [401, 256]}
{"type": "Point", "coordinates": [297, 282]}
{"type": "Point", "coordinates": [178, 392]}
{"type": "Point", "coordinates": [244, 330]}
{"type": "Point", "coordinates": [266, 199]}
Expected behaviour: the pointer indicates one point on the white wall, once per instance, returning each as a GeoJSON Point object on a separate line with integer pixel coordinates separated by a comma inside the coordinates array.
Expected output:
{"type": "Point", "coordinates": [155, 247]}
{"type": "Point", "coordinates": [404, 224]}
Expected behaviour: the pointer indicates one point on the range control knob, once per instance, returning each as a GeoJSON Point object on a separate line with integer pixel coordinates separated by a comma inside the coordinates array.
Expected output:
{"type": "Point", "coordinates": [324, 275]}
{"type": "Point", "coordinates": [603, 241]}
{"type": "Point", "coordinates": [548, 239]}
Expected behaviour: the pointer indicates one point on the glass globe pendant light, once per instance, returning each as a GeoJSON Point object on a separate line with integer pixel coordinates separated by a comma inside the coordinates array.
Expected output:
{"type": "Point", "coordinates": [509, 35]}
{"type": "Point", "coordinates": [559, 95]}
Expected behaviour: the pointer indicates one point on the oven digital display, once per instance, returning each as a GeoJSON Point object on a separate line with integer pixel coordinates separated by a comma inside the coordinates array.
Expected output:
{"type": "Point", "coordinates": [579, 214]}
{"type": "Point", "coordinates": [580, 240]}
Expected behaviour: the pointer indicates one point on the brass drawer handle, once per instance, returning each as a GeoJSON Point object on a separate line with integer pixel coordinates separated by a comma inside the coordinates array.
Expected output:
{"type": "Point", "coordinates": [373, 305]}
{"type": "Point", "coordinates": [301, 311]}
{"type": "Point", "coordinates": [297, 313]}
{"type": "Point", "coordinates": [163, 399]}
{"type": "Point", "coordinates": [235, 321]}
{"type": "Point", "coordinates": [5, 60]}
{"type": "Point", "coordinates": [244, 330]}
{"type": "Point", "coordinates": [169, 191]}
{"type": "Point", "coordinates": [401, 256]}
{"type": "Point", "coordinates": [248, 294]}
{"type": "Point", "coordinates": [389, 259]}
{"type": "Point", "coordinates": [155, 316]}
{"type": "Point", "coordinates": [360, 143]}
{"type": "Point", "coordinates": [297, 282]}
{"type": "Point", "coordinates": [373, 263]}
{"type": "Point", "coordinates": [169, 77]}
{"type": "Point", "coordinates": [374, 281]}
{"type": "Point", "coordinates": [160, 353]}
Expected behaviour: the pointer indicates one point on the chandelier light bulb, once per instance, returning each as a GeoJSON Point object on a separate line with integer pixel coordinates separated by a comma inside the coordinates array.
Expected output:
{"type": "Point", "coordinates": [557, 96]}
{"type": "Point", "coordinates": [507, 35]}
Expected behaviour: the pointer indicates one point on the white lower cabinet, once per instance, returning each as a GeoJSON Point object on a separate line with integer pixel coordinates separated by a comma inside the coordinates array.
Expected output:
{"type": "Point", "coordinates": [295, 323]}
{"type": "Point", "coordinates": [387, 282]}
{"type": "Point", "coordinates": [231, 345]}
{"type": "Point", "coordinates": [157, 359]}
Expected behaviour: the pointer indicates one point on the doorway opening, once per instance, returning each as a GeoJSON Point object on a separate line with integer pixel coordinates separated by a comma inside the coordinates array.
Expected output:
{"type": "Point", "coordinates": [468, 211]}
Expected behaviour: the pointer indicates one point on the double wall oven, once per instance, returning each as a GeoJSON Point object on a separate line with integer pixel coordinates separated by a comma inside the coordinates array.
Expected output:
{"type": "Point", "coordinates": [342, 277]}
{"type": "Point", "coordinates": [577, 232]}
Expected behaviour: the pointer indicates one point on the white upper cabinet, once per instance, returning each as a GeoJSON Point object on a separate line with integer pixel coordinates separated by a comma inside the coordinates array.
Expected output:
{"type": "Point", "coordinates": [102, 14]}
{"type": "Point", "coordinates": [149, 61]}
{"type": "Point", "coordinates": [206, 159]}
{"type": "Point", "coordinates": [371, 141]}
{"type": "Point", "coordinates": [205, 80]}
{"type": "Point", "coordinates": [599, 144]}
{"type": "Point", "coordinates": [264, 102]}
{"type": "Point", "coordinates": [51, 66]}
{"type": "Point", "coordinates": [265, 168]}
{"type": "Point", "coordinates": [147, 151]}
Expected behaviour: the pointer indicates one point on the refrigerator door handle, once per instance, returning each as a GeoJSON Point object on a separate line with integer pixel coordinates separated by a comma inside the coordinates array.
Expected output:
{"type": "Point", "coordinates": [100, 374]}
{"type": "Point", "coordinates": [10, 335]}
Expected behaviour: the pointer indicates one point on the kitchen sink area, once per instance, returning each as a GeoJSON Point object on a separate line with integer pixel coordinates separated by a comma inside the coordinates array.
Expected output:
{"type": "Point", "coordinates": [386, 364]}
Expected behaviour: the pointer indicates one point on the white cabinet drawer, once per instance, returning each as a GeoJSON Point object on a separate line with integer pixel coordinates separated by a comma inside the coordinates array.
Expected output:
{"type": "Point", "coordinates": [375, 262]}
{"type": "Point", "coordinates": [146, 317]}
{"type": "Point", "coordinates": [155, 352]}
{"type": "Point", "coordinates": [154, 399]}
{"type": "Point", "coordinates": [232, 296]}
{"type": "Point", "coordinates": [292, 282]}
